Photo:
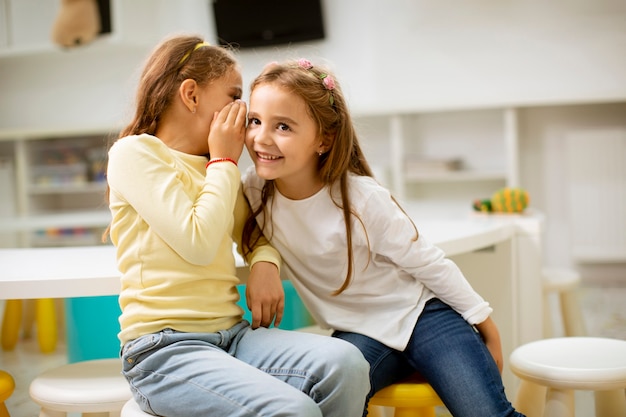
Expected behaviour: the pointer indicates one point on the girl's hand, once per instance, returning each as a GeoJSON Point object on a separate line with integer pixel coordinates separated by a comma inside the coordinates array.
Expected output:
{"type": "Point", "coordinates": [265, 296]}
{"type": "Point", "coordinates": [228, 130]}
{"type": "Point", "coordinates": [491, 336]}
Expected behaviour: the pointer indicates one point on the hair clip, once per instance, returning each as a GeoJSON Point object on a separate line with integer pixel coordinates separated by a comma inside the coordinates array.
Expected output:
{"type": "Point", "coordinates": [188, 54]}
{"type": "Point", "coordinates": [305, 63]}
{"type": "Point", "coordinates": [328, 81]}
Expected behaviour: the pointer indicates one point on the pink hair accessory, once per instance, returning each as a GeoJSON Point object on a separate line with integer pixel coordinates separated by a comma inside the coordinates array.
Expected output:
{"type": "Point", "coordinates": [305, 63]}
{"type": "Point", "coordinates": [329, 82]}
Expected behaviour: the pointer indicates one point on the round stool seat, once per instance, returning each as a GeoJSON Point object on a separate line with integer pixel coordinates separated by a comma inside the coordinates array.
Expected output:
{"type": "Point", "coordinates": [412, 397]}
{"type": "Point", "coordinates": [560, 279]}
{"type": "Point", "coordinates": [94, 386]}
{"type": "Point", "coordinates": [551, 369]}
{"type": "Point", "coordinates": [579, 363]}
{"type": "Point", "coordinates": [131, 409]}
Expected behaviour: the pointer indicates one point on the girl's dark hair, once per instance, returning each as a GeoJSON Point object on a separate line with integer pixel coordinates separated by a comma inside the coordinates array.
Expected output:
{"type": "Point", "coordinates": [328, 108]}
{"type": "Point", "coordinates": [173, 61]}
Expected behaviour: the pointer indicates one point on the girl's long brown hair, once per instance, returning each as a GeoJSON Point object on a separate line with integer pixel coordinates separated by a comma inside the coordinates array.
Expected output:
{"type": "Point", "coordinates": [329, 110]}
{"type": "Point", "coordinates": [176, 59]}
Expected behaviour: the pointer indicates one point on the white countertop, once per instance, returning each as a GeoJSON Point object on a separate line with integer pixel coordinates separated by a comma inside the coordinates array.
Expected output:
{"type": "Point", "coordinates": [92, 270]}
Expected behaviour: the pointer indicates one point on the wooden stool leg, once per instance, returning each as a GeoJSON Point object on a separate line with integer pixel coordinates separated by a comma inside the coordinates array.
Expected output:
{"type": "Point", "coordinates": [610, 403]}
{"type": "Point", "coordinates": [11, 323]}
{"type": "Point", "coordinates": [415, 412]}
{"type": "Point", "coordinates": [99, 414]}
{"type": "Point", "coordinates": [547, 316]}
{"type": "Point", "coordinates": [573, 321]}
{"type": "Point", "coordinates": [375, 411]}
{"type": "Point", "coordinates": [51, 413]}
{"type": "Point", "coordinates": [559, 403]}
{"type": "Point", "coordinates": [530, 399]}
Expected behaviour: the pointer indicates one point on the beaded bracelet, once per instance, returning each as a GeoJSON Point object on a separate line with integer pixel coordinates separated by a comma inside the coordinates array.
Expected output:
{"type": "Point", "coordinates": [220, 160]}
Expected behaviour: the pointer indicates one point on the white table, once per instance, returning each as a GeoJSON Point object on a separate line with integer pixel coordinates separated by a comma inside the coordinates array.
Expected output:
{"type": "Point", "coordinates": [499, 254]}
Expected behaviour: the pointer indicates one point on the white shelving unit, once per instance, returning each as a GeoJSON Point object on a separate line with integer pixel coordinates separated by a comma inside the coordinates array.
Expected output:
{"type": "Point", "coordinates": [58, 197]}
{"type": "Point", "coordinates": [453, 155]}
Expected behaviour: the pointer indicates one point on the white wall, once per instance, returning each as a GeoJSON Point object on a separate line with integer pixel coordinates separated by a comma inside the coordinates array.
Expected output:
{"type": "Point", "coordinates": [397, 55]}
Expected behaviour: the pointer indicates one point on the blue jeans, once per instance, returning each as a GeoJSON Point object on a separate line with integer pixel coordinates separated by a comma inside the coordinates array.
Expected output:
{"type": "Point", "coordinates": [449, 354]}
{"type": "Point", "coordinates": [243, 372]}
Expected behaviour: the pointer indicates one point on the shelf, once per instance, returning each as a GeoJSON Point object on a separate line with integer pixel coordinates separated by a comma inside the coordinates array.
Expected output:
{"type": "Point", "coordinates": [455, 176]}
{"type": "Point", "coordinates": [68, 219]}
{"type": "Point", "coordinates": [450, 155]}
{"type": "Point", "coordinates": [87, 238]}
{"type": "Point", "coordinates": [84, 188]}
{"type": "Point", "coordinates": [32, 37]}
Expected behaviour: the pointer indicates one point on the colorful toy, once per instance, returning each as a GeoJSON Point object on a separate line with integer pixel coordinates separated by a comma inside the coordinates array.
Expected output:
{"type": "Point", "coordinates": [505, 200]}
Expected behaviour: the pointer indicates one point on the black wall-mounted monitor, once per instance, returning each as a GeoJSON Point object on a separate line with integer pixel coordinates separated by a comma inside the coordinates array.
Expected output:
{"type": "Point", "coordinates": [252, 23]}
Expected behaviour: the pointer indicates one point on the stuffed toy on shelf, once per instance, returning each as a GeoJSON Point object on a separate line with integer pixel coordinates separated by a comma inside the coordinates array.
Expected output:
{"type": "Point", "coordinates": [505, 200]}
{"type": "Point", "coordinates": [77, 23]}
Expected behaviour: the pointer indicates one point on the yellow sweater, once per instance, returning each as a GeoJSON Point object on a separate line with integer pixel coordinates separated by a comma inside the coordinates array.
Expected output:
{"type": "Point", "coordinates": [173, 224]}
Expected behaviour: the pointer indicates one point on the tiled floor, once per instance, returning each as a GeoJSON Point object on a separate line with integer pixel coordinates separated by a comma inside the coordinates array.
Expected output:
{"type": "Point", "coordinates": [604, 309]}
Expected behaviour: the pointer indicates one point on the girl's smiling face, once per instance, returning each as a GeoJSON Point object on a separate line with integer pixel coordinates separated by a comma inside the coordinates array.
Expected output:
{"type": "Point", "coordinates": [283, 141]}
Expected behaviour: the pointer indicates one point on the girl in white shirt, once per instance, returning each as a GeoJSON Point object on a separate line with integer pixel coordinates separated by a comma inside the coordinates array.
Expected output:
{"type": "Point", "coordinates": [356, 259]}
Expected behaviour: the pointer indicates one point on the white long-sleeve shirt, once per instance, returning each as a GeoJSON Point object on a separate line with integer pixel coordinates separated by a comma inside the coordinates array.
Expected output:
{"type": "Point", "coordinates": [393, 278]}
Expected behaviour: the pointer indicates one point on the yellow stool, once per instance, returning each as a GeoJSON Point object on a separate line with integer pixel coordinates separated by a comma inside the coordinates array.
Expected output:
{"type": "Point", "coordinates": [7, 385]}
{"type": "Point", "coordinates": [410, 398]}
{"type": "Point", "coordinates": [45, 317]}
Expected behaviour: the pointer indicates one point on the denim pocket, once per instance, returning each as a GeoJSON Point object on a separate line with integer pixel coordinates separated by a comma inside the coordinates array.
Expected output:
{"type": "Point", "coordinates": [138, 349]}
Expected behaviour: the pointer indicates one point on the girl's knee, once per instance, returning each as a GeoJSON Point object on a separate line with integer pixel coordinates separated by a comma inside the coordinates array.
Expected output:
{"type": "Point", "coordinates": [351, 360]}
{"type": "Point", "coordinates": [302, 406]}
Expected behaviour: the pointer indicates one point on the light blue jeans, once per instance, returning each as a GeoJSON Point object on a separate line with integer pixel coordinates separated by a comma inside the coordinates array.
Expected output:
{"type": "Point", "coordinates": [450, 355]}
{"type": "Point", "coordinates": [243, 372]}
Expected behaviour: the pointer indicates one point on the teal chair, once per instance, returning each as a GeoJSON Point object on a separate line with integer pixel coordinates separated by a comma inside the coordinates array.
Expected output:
{"type": "Point", "coordinates": [91, 328]}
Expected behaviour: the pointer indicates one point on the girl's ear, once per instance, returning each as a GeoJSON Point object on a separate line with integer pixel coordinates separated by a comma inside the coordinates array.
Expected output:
{"type": "Point", "coordinates": [327, 141]}
{"type": "Point", "coordinates": [188, 93]}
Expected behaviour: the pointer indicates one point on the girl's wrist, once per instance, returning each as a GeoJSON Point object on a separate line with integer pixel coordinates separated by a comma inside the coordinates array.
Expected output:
{"type": "Point", "coordinates": [215, 160]}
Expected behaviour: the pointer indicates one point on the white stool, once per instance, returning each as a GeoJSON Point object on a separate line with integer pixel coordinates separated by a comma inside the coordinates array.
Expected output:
{"type": "Point", "coordinates": [131, 409]}
{"type": "Point", "coordinates": [551, 369]}
{"type": "Point", "coordinates": [95, 388]}
{"type": "Point", "coordinates": [564, 282]}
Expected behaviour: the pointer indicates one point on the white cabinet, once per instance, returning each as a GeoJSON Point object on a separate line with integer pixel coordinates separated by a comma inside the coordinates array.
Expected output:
{"type": "Point", "coordinates": [456, 155]}
{"type": "Point", "coordinates": [58, 193]}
